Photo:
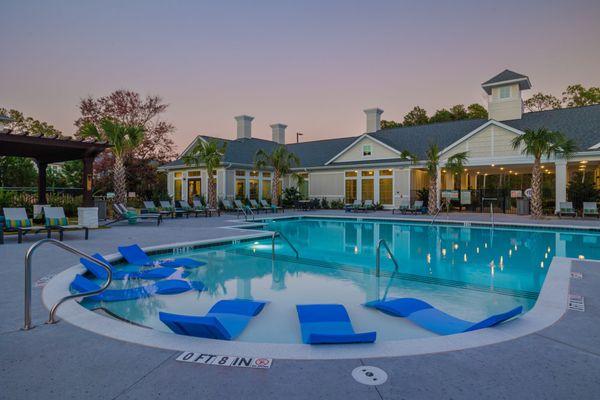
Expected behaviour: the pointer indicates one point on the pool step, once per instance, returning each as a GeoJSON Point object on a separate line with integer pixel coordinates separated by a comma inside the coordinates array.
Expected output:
{"type": "Point", "coordinates": [389, 274]}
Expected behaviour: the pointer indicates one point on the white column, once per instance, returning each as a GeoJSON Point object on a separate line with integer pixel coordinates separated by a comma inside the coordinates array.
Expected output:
{"type": "Point", "coordinates": [184, 187]}
{"type": "Point", "coordinates": [561, 182]}
{"type": "Point", "coordinates": [439, 186]}
{"type": "Point", "coordinates": [376, 187]}
{"type": "Point", "coordinates": [171, 184]}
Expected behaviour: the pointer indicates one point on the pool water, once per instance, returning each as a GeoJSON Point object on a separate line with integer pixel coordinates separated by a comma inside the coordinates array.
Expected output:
{"type": "Point", "coordinates": [469, 272]}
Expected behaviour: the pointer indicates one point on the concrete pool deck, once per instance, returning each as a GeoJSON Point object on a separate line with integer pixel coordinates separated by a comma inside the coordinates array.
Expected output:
{"type": "Point", "coordinates": [62, 361]}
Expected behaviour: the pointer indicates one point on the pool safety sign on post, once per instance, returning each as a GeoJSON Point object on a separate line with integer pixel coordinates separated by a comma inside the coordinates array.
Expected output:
{"type": "Point", "coordinates": [225, 361]}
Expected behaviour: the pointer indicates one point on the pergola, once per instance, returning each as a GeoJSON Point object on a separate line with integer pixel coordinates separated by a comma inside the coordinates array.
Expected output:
{"type": "Point", "coordinates": [52, 149]}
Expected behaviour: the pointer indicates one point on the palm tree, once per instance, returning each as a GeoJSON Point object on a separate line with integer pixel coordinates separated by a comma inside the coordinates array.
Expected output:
{"type": "Point", "coordinates": [455, 164]}
{"type": "Point", "coordinates": [282, 161]}
{"type": "Point", "coordinates": [538, 143]}
{"type": "Point", "coordinates": [209, 154]}
{"type": "Point", "coordinates": [123, 139]}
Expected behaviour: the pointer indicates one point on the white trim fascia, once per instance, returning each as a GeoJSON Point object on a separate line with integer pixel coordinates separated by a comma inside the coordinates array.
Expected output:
{"type": "Point", "coordinates": [361, 137]}
{"type": "Point", "coordinates": [502, 83]}
{"type": "Point", "coordinates": [354, 166]}
{"type": "Point", "coordinates": [594, 147]}
{"type": "Point", "coordinates": [479, 129]}
{"type": "Point", "coordinates": [191, 145]}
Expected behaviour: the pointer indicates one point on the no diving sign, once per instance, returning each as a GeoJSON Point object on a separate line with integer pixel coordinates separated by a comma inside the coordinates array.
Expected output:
{"type": "Point", "coordinates": [225, 361]}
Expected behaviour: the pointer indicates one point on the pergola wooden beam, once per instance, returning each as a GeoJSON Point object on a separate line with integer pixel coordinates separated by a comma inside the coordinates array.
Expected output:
{"type": "Point", "coordinates": [46, 150]}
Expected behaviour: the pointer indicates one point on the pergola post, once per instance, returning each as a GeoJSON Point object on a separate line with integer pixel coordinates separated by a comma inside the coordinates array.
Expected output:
{"type": "Point", "coordinates": [88, 167]}
{"type": "Point", "coordinates": [42, 166]}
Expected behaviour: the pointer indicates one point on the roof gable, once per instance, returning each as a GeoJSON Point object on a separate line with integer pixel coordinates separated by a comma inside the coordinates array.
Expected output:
{"type": "Point", "coordinates": [386, 152]}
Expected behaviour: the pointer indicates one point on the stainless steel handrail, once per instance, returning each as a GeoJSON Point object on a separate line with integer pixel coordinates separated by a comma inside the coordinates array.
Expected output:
{"type": "Point", "coordinates": [439, 210]}
{"type": "Point", "coordinates": [277, 233]}
{"type": "Point", "coordinates": [378, 256]}
{"type": "Point", "coordinates": [491, 200]}
{"type": "Point", "coordinates": [245, 212]}
{"type": "Point", "coordinates": [27, 325]}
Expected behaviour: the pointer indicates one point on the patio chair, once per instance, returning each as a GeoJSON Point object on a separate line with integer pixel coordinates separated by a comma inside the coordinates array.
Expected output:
{"type": "Point", "coordinates": [258, 207]}
{"type": "Point", "coordinates": [183, 205]}
{"type": "Point", "coordinates": [167, 206]}
{"type": "Point", "coordinates": [226, 320]}
{"type": "Point", "coordinates": [168, 286]}
{"type": "Point", "coordinates": [369, 206]}
{"type": "Point", "coordinates": [117, 274]}
{"type": "Point", "coordinates": [590, 208]}
{"type": "Point", "coordinates": [124, 214]}
{"type": "Point", "coordinates": [566, 208]}
{"type": "Point", "coordinates": [403, 207]}
{"type": "Point", "coordinates": [227, 207]}
{"type": "Point", "coordinates": [135, 255]}
{"type": "Point", "coordinates": [56, 219]}
{"type": "Point", "coordinates": [272, 207]}
{"type": "Point", "coordinates": [357, 206]}
{"type": "Point", "coordinates": [417, 207]}
{"type": "Point", "coordinates": [240, 206]}
{"type": "Point", "coordinates": [329, 324]}
{"type": "Point", "coordinates": [430, 318]}
{"type": "Point", "coordinates": [16, 220]}
{"type": "Point", "coordinates": [151, 208]}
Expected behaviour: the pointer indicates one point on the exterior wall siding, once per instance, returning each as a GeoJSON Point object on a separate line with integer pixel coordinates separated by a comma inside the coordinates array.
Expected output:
{"type": "Point", "coordinates": [493, 141]}
{"type": "Point", "coordinates": [355, 153]}
{"type": "Point", "coordinates": [506, 109]}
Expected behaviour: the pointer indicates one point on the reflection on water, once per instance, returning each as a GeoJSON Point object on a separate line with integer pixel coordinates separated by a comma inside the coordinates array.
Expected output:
{"type": "Point", "coordinates": [468, 272]}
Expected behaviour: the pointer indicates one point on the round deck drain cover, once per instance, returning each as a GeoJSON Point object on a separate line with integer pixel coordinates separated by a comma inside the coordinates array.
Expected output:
{"type": "Point", "coordinates": [368, 375]}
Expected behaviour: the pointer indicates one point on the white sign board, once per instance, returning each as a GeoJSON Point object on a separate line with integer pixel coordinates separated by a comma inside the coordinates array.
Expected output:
{"type": "Point", "coordinates": [465, 197]}
{"type": "Point", "coordinates": [110, 195]}
{"type": "Point", "coordinates": [225, 361]}
{"type": "Point", "coordinates": [450, 194]}
{"type": "Point", "coordinates": [516, 194]}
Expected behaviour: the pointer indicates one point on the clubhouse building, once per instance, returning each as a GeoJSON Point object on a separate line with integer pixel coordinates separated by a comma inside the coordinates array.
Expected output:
{"type": "Point", "coordinates": [369, 166]}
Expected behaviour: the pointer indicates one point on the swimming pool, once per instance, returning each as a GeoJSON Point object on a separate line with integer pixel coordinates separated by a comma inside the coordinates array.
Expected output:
{"type": "Point", "coordinates": [470, 272]}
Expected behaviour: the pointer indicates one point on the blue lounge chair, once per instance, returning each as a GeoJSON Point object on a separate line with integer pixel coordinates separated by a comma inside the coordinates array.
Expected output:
{"type": "Point", "coordinates": [226, 320]}
{"type": "Point", "coordinates": [329, 323]}
{"type": "Point", "coordinates": [100, 273]}
{"type": "Point", "coordinates": [170, 286]}
{"type": "Point", "coordinates": [430, 318]}
{"type": "Point", "coordinates": [135, 255]}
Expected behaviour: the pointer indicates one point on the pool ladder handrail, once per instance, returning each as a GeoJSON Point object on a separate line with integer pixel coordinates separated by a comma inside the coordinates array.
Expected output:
{"type": "Point", "coordinates": [378, 257]}
{"type": "Point", "coordinates": [491, 200]}
{"type": "Point", "coordinates": [439, 210]}
{"type": "Point", "coordinates": [28, 258]}
{"type": "Point", "coordinates": [245, 211]}
{"type": "Point", "coordinates": [281, 235]}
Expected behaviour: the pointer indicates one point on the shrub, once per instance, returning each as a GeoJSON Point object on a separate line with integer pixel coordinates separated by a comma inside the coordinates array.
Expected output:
{"type": "Point", "coordinates": [290, 196]}
{"type": "Point", "coordinates": [581, 188]}
{"type": "Point", "coordinates": [324, 203]}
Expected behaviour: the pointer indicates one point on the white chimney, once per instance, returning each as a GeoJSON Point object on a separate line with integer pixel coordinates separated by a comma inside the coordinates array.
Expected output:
{"type": "Point", "coordinates": [279, 133]}
{"type": "Point", "coordinates": [373, 119]}
{"type": "Point", "coordinates": [244, 126]}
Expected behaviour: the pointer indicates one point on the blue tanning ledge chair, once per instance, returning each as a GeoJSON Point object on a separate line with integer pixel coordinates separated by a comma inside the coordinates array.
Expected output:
{"type": "Point", "coordinates": [429, 317]}
{"type": "Point", "coordinates": [226, 320]}
{"type": "Point", "coordinates": [329, 323]}
{"type": "Point", "coordinates": [100, 273]}
{"type": "Point", "coordinates": [170, 286]}
{"type": "Point", "coordinates": [135, 255]}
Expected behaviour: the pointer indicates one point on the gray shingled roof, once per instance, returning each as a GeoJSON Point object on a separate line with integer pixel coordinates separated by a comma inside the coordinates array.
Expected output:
{"type": "Point", "coordinates": [506, 75]}
{"type": "Point", "coordinates": [582, 124]}
{"type": "Point", "coordinates": [417, 139]}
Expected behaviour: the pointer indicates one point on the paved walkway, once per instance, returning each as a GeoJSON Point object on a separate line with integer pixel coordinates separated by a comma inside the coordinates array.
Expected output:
{"type": "Point", "coordinates": [64, 362]}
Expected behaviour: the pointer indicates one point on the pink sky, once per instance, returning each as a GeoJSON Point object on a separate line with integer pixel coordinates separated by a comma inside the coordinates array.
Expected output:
{"type": "Point", "coordinates": [311, 65]}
